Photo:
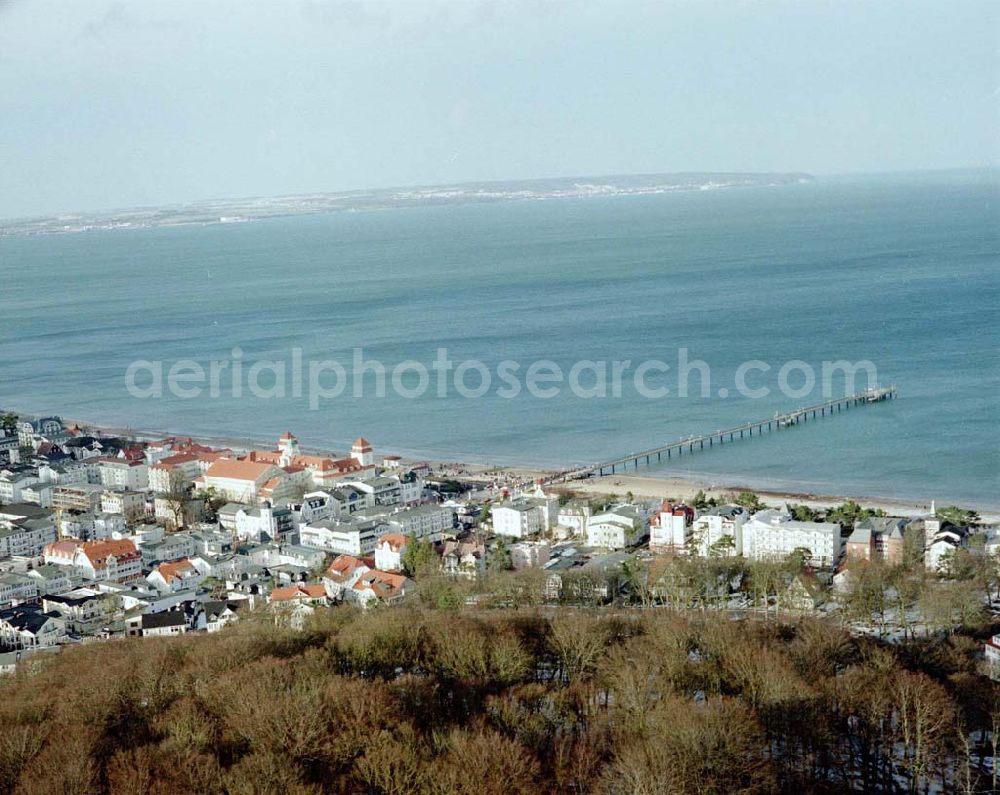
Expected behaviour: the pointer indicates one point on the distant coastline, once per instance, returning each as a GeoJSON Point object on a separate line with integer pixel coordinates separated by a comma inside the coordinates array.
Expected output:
{"type": "Point", "coordinates": [228, 211]}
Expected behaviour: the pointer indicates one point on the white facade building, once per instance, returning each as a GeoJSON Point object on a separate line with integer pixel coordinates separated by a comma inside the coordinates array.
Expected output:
{"type": "Point", "coordinates": [773, 534]}
{"type": "Point", "coordinates": [719, 532]}
{"type": "Point", "coordinates": [524, 517]}
{"type": "Point", "coordinates": [26, 537]}
{"type": "Point", "coordinates": [622, 526]}
{"type": "Point", "coordinates": [529, 554]}
{"type": "Point", "coordinates": [389, 551]}
{"type": "Point", "coordinates": [574, 516]}
{"type": "Point", "coordinates": [131, 475]}
{"type": "Point", "coordinates": [346, 537]}
{"type": "Point", "coordinates": [671, 528]}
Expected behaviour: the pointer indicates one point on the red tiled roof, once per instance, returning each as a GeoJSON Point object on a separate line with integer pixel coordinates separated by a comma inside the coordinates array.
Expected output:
{"type": "Point", "coordinates": [66, 546]}
{"type": "Point", "coordinates": [177, 568]}
{"type": "Point", "coordinates": [381, 582]}
{"type": "Point", "coordinates": [343, 563]}
{"type": "Point", "coordinates": [97, 551]}
{"type": "Point", "coordinates": [292, 592]}
{"type": "Point", "coordinates": [396, 540]}
{"type": "Point", "coordinates": [174, 460]}
{"type": "Point", "coordinates": [238, 469]}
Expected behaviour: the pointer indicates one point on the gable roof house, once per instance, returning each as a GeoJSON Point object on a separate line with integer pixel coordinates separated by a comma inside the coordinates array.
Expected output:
{"type": "Point", "coordinates": [28, 626]}
{"type": "Point", "coordinates": [115, 561]}
{"type": "Point", "coordinates": [804, 593]}
{"type": "Point", "coordinates": [163, 624]}
{"type": "Point", "coordinates": [389, 551]}
{"type": "Point", "coordinates": [294, 604]}
{"type": "Point", "coordinates": [218, 614]}
{"type": "Point", "coordinates": [16, 587]}
{"type": "Point", "coordinates": [175, 576]}
{"type": "Point", "coordinates": [376, 586]}
{"type": "Point", "coordinates": [463, 559]}
{"type": "Point", "coordinates": [343, 573]}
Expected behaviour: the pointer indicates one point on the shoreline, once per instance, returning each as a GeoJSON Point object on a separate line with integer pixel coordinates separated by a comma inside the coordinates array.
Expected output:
{"type": "Point", "coordinates": [666, 487]}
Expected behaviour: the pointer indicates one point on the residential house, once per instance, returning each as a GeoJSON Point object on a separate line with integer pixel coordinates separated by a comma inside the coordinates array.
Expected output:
{"type": "Point", "coordinates": [316, 506]}
{"type": "Point", "coordinates": [216, 615]}
{"type": "Point", "coordinates": [38, 494]}
{"type": "Point", "coordinates": [83, 611]}
{"type": "Point", "coordinates": [463, 559]}
{"type": "Point", "coordinates": [25, 537]}
{"type": "Point", "coordinates": [264, 523]}
{"type": "Point", "coordinates": [115, 561]}
{"type": "Point", "coordinates": [423, 521]}
{"type": "Point", "coordinates": [803, 593]}
{"type": "Point", "coordinates": [51, 579]}
{"type": "Point", "coordinates": [13, 482]}
{"type": "Point", "coordinates": [177, 575]}
{"type": "Point", "coordinates": [10, 452]}
{"type": "Point", "coordinates": [574, 516]}
{"type": "Point", "coordinates": [82, 497]}
{"type": "Point", "coordinates": [529, 554]}
{"type": "Point", "coordinates": [351, 499]}
{"type": "Point", "coordinates": [16, 588]}
{"type": "Point", "coordinates": [173, 546]}
{"type": "Point", "coordinates": [617, 528]}
{"type": "Point", "coordinates": [90, 526]}
{"type": "Point", "coordinates": [378, 587]}
{"type": "Point", "coordinates": [671, 529]}
{"type": "Point", "coordinates": [718, 532]}
{"type": "Point", "coordinates": [389, 551]}
{"type": "Point", "coordinates": [992, 651]}
{"type": "Point", "coordinates": [342, 573]}
{"type": "Point", "coordinates": [152, 625]}
{"type": "Point", "coordinates": [877, 538]}
{"type": "Point", "coordinates": [946, 542]}
{"type": "Point", "coordinates": [343, 536]}
{"type": "Point", "coordinates": [29, 626]}
{"type": "Point", "coordinates": [123, 473]}
{"type": "Point", "coordinates": [175, 474]}
{"type": "Point", "coordinates": [524, 517]}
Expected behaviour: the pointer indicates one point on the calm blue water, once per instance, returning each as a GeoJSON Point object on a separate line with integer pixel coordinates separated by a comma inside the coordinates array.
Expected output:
{"type": "Point", "coordinates": [902, 271]}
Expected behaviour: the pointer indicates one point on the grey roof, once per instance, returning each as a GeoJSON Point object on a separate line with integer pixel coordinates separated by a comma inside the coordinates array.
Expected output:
{"type": "Point", "coordinates": [861, 535]}
{"type": "Point", "coordinates": [49, 571]}
{"type": "Point", "coordinates": [71, 601]}
{"type": "Point", "coordinates": [168, 618]}
{"type": "Point", "coordinates": [24, 510]}
{"type": "Point", "coordinates": [727, 511]}
{"type": "Point", "coordinates": [27, 617]}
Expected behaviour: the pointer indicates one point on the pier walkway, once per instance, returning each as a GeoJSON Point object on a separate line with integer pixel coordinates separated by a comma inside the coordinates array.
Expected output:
{"type": "Point", "coordinates": [693, 444]}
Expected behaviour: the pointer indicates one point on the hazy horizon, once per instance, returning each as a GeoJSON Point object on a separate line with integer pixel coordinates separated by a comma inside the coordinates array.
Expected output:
{"type": "Point", "coordinates": [113, 105]}
{"type": "Point", "coordinates": [993, 169]}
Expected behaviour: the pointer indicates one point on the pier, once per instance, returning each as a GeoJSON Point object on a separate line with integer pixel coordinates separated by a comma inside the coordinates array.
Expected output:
{"type": "Point", "coordinates": [694, 444]}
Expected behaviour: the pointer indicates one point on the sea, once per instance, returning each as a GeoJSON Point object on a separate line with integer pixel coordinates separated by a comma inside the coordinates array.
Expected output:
{"type": "Point", "coordinates": [899, 271]}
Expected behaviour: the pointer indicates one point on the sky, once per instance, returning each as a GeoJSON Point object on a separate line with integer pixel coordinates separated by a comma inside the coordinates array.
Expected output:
{"type": "Point", "coordinates": [109, 104]}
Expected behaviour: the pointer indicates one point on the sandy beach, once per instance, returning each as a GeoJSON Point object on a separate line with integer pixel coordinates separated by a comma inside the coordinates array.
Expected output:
{"type": "Point", "coordinates": [683, 489]}
{"type": "Point", "coordinates": [523, 476]}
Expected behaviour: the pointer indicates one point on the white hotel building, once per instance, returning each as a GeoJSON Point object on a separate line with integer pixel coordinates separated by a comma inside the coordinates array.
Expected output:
{"type": "Point", "coordinates": [773, 534]}
{"type": "Point", "coordinates": [525, 516]}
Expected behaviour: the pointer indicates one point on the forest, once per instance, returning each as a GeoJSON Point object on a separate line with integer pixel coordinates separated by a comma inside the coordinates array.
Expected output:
{"type": "Point", "coordinates": [527, 700]}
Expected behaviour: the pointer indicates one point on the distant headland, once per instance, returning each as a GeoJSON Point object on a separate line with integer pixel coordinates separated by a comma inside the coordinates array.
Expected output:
{"type": "Point", "coordinates": [222, 211]}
